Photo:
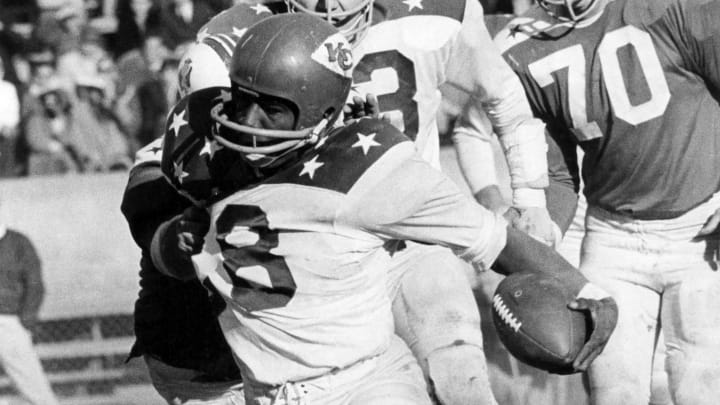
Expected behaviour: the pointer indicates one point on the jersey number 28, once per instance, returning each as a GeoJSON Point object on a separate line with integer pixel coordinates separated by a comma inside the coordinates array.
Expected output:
{"type": "Point", "coordinates": [253, 256]}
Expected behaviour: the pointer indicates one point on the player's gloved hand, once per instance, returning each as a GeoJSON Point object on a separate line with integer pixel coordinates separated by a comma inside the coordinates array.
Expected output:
{"type": "Point", "coordinates": [603, 313]}
{"type": "Point", "coordinates": [363, 108]}
{"type": "Point", "coordinates": [536, 222]}
{"type": "Point", "coordinates": [710, 233]}
{"type": "Point", "coordinates": [191, 228]}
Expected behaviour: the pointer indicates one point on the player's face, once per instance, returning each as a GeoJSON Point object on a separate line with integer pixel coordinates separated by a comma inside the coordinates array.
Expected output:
{"type": "Point", "coordinates": [264, 112]}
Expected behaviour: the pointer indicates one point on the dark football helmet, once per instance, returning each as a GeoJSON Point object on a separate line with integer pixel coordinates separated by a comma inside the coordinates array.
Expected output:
{"type": "Point", "coordinates": [572, 10]}
{"type": "Point", "coordinates": [351, 17]}
{"type": "Point", "coordinates": [299, 59]}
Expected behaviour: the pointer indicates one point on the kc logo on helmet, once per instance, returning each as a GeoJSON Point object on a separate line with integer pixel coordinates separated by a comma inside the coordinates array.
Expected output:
{"type": "Point", "coordinates": [340, 54]}
{"type": "Point", "coordinates": [336, 55]}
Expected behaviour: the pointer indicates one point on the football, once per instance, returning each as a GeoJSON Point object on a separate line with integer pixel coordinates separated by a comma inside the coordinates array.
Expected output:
{"type": "Point", "coordinates": [533, 321]}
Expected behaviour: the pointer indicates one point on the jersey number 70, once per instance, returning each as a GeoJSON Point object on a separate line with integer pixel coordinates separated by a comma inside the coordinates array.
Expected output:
{"type": "Point", "coordinates": [573, 59]}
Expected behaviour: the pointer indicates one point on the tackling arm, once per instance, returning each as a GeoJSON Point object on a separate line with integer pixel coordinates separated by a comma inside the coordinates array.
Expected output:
{"type": "Point", "coordinates": [477, 67]}
{"type": "Point", "coordinates": [472, 140]}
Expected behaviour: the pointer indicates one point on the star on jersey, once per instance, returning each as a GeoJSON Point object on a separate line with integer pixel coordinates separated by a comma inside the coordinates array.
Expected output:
{"type": "Point", "coordinates": [413, 4]}
{"type": "Point", "coordinates": [239, 32]}
{"type": "Point", "coordinates": [261, 8]}
{"type": "Point", "coordinates": [202, 35]}
{"type": "Point", "coordinates": [180, 174]}
{"type": "Point", "coordinates": [365, 142]}
{"type": "Point", "coordinates": [310, 166]}
{"type": "Point", "coordinates": [157, 147]}
{"type": "Point", "coordinates": [225, 96]}
{"type": "Point", "coordinates": [177, 122]}
{"type": "Point", "coordinates": [210, 148]}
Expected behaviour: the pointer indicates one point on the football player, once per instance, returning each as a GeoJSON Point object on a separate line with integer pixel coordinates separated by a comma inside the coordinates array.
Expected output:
{"type": "Point", "coordinates": [303, 216]}
{"type": "Point", "coordinates": [634, 84]}
{"type": "Point", "coordinates": [176, 328]}
{"type": "Point", "coordinates": [405, 64]}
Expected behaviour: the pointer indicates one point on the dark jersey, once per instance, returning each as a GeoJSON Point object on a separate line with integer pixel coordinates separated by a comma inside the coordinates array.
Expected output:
{"type": "Point", "coordinates": [175, 321]}
{"type": "Point", "coordinates": [638, 87]}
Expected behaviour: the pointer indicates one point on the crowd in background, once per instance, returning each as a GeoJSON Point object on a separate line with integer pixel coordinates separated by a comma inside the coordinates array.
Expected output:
{"type": "Point", "coordinates": [77, 96]}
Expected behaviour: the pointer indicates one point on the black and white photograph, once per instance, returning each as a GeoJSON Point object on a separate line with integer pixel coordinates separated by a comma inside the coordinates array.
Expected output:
{"type": "Point", "coordinates": [359, 202]}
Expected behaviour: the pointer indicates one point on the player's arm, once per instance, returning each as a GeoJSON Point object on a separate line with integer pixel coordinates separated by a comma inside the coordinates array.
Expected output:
{"type": "Point", "coordinates": [477, 67]}
{"type": "Point", "coordinates": [148, 201]}
{"type": "Point", "coordinates": [562, 194]}
{"type": "Point", "coordinates": [411, 200]}
{"type": "Point", "coordinates": [700, 32]}
{"type": "Point", "coordinates": [697, 26]}
{"type": "Point", "coordinates": [471, 138]}
{"type": "Point", "coordinates": [153, 210]}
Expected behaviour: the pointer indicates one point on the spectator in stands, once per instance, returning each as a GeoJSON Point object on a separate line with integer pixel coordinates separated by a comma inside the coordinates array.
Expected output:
{"type": "Point", "coordinates": [177, 21]}
{"type": "Point", "coordinates": [130, 33]}
{"type": "Point", "coordinates": [48, 130]}
{"type": "Point", "coordinates": [87, 59]}
{"type": "Point", "coordinates": [11, 44]}
{"type": "Point", "coordinates": [99, 138]}
{"type": "Point", "coordinates": [142, 101]}
{"type": "Point", "coordinates": [9, 124]}
{"type": "Point", "coordinates": [21, 293]}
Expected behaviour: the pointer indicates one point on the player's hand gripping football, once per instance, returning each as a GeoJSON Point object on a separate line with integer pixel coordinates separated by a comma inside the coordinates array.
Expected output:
{"type": "Point", "coordinates": [192, 226]}
{"type": "Point", "coordinates": [603, 312]}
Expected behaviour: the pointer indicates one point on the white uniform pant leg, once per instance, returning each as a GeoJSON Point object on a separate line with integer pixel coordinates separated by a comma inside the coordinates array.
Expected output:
{"type": "Point", "coordinates": [617, 260]}
{"type": "Point", "coordinates": [664, 256]}
{"type": "Point", "coordinates": [179, 386]}
{"type": "Point", "coordinates": [691, 308]}
{"type": "Point", "coordinates": [436, 314]}
{"type": "Point", "coordinates": [21, 362]}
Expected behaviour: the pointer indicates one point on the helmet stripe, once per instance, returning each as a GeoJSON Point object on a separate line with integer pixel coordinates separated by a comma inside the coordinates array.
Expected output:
{"type": "Point", "coordinates": [222, 44]}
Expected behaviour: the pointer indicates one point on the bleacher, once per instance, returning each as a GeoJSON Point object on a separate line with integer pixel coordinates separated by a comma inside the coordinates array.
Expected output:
{"type": "Point", "coordinates": [85, 361]}
{"type": "Point", "coordinates": [90, 267]}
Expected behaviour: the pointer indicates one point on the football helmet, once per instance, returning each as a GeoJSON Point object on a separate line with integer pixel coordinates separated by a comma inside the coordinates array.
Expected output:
{"type": "Point", "coordinates": [352, 17]}
{"type": "Point", "coordinates": [572, 10]}
{"type": "Point", "coordinates": [205, 63]}
{"type": "Point", "coordinates": [299, 59]}
{"type": "Point", "coordinates": [201, 67]}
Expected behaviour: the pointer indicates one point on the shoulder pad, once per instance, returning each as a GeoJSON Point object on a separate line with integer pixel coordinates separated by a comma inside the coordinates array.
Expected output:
{"type": "Point", "coordinates": [344, 157]}
{"type": "Point", "coordinates": [186, 150]}
{"type": "Point", "coordinates": [395, 9]}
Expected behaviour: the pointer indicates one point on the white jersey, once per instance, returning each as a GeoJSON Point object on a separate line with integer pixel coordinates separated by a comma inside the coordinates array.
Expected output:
{"type": "Point", "coordinates": [300, 260]}
{"type": "Point", "coordinates": [419, 45]}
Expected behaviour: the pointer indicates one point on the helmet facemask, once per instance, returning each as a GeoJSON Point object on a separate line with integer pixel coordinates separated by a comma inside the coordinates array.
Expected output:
{"type": "Point", "coordinates": [573, 11]}
{"type": "Point", "coordinates": [294, 62]}
{"type": "Point", "coordinates": [261, 147]}
{"type": "Point", "coordinates": [351, 17]}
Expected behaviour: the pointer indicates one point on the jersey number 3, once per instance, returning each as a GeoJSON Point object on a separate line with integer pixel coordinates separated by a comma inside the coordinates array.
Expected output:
{"type": "Point", "coordinates": [261, 280]}
{"type": "Point", "coordinates": [393, 81]}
